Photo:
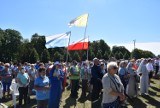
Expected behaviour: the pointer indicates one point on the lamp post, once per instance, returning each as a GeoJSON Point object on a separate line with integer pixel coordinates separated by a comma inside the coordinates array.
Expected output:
{"type": "Point", "coordinates": [134, 43]}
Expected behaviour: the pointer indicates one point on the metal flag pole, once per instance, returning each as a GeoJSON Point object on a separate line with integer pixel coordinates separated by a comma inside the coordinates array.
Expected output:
{"type": "Point", "coordinates": [88, 49]}
{"type": "Point", "coordinates": [85, 34]}
{"type": "Point", "coordinates": [67, 48]}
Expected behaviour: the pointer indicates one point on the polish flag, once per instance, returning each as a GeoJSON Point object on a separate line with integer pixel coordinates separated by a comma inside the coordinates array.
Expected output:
{"type": "Point", "coordinates": [80, 45]}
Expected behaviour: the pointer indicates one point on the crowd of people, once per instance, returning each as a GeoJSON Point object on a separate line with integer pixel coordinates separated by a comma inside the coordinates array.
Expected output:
{"type": "Point", "coordinates": [113, 80]}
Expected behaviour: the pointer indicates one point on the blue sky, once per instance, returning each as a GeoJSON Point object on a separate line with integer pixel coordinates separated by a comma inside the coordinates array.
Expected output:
{"type": "Point", "coordinates": [115, 21]}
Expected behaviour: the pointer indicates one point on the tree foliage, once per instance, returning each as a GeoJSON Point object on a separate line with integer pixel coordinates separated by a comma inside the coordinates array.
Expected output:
{"type": "Point", "coordinates": [10, 42]}
{"type": "Point", "coordinates": [138, 53]}
{"type": "Point", "coordinates": [33, 56]}
{"type": "Point", "coordinates": [45, 57]}
{"type": "Point", "coordinates": [14, 48]}
{"type": "Point", "coordinates": [121, 50]}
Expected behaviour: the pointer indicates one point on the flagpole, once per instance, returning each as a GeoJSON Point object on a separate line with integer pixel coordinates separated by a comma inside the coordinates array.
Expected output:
{"type": "Point", "coordinates": [87, 49]}
{"type": "Point", "coordinates": [67, 48]}
{"type": "Point", "coordinates": [85, 34]}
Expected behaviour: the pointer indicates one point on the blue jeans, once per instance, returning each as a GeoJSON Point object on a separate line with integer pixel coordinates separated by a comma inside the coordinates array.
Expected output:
{"type": "Point", "coordinates": [6, 86]}
{"type": "Point", "coordinates": [114, 104]}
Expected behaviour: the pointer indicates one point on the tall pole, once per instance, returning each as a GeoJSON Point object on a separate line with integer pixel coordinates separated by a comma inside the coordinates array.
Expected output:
{"type": "Point", "coordinates": [85, 35]}
{"type": "Point", "coordinates": [87, 49]}
{"type": "Point", "coordinates": [134, 43]}
{"type": "Point", "coordinates": [67, 48]}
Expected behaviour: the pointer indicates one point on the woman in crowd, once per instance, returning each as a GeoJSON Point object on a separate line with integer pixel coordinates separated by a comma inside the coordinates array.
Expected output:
{"type": "Point", "coordinates": [62, 75]}
{"type": "Point", "coordinates": [56, 86]}
{"type": "Point", "coordinates": [132, 88]}
{"type": "Point", "coordinates": [123, 74]}
{"type": "Point", "coordinates": [32, 75]}
{"type": "Point", "coordinates": [65, 70]}
{"type": "Point", "coordinates": [103, 68]}
{"type": "Point", "coordinates": [23, 82]}
{"type": "Point", "coordinates": [41, 85]}
{"type": "Point", "coordinates": [84, 76]}
{"type": "Point", "coordinates": [144, 77]}
{"type": "Point", "coordinates": [6, 76]}
{"type": "Point", "coordinates": [113, 90]}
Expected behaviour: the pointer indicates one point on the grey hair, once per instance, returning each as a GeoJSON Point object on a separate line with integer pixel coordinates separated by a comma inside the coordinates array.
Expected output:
{"type": "Point", "coordinates": [121, 64]}
{"type": "Point", "coordinates": [111, 64]}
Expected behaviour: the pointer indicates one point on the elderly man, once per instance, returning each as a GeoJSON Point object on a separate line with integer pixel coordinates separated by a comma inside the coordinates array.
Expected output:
{"type": "Point", "coordinates": [96, 79]}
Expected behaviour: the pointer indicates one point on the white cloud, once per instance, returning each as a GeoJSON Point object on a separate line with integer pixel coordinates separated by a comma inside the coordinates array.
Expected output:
{"type": "Point", "coordinates": [150, 46]}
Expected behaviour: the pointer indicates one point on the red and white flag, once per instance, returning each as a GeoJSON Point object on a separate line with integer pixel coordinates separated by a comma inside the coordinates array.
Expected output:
{"type": "Point", "coordinates": [80, 45]}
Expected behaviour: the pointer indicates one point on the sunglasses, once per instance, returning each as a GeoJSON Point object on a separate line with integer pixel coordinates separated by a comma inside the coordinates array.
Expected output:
{"type": "Point", "coordinates": [115, 67]}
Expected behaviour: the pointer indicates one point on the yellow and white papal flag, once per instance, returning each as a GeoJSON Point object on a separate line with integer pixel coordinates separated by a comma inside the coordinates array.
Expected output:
{"type": "Point", "coordinates": [80, 21]}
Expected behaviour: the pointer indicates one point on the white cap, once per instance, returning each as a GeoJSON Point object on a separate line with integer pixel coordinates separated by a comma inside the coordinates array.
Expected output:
{"type": "Point", "coordinates": [56, 63]}
{"type": "Point", "coordinates": [95, 59]}
{"type": "Point", "coordinates": [7, 64]}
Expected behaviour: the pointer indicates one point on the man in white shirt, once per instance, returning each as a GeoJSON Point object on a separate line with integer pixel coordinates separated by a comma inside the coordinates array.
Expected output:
{"type": "Point", "coordinates": [150, 69]}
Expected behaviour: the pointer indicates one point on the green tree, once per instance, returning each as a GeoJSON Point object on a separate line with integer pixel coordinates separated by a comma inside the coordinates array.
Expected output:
{"type": "Point", "coordinates": [2, 40]}
{"type": "Point", "coordinates": [38, 42]}
{"type": "Point", "coordinates": [45, 57]}
{"type": "Point", "coordinates": [120, 55]}
{"type": "Point", "coordinates": [65, 56]}
{"type": "Point", "coordinates": [106, 55]}
{"type": "Point", "coordinates": [95, 47]}
{"type": "Point", "coordinates": [118, 49]}
{"type": "Point", "coordinates": [103, 47]}
{"type": "Point", "coordinates": [84, 56]}
{"type": "Point", "coordinates": [76, 56]}
{"type": "Point", "coordinates": [34, 56]}
{"type": "Point", "coordinates": [116, 55]}
{"type": "Point", "coordinates": [91, 55]}
{"type": "Point", "coordinates": [99, 45]}
{"type": "Point", "coordinates": [126, 56]}
{"type": "Point", "coordinates": [24, 52]}
{"type": "Point", "coordinates": [148, 54]}
{"type": "Point", "coordinates": [14, 47]}
{"type": "Point", "coordinates": [138, 53]}
{"type": "Point", "coordinates": [111, 55]}
{"type": "Point", "coordinates": [57, 56]}
{"type": "Point", "coordinates": [99, 54]}
{"type": "Point", "coordinates": [10, 42]}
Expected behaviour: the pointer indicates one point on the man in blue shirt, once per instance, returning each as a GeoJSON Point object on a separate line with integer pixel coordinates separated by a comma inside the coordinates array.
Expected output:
{"type": "Point", "coordinates": [1, 66]}
{"type": "Point", "coordinates": [41, 85]}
